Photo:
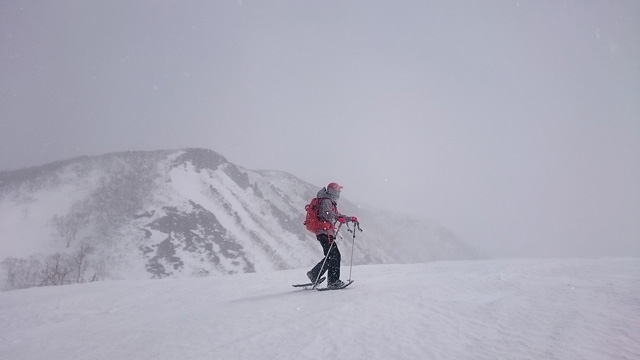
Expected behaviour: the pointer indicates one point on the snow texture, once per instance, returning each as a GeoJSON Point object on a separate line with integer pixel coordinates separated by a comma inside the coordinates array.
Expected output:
{"type": "Point", "coordinates": [498, 309]}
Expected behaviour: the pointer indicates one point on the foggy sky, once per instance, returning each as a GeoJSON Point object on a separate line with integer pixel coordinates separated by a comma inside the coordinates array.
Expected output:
{"type": "Point", "coordinates": [516, 124]}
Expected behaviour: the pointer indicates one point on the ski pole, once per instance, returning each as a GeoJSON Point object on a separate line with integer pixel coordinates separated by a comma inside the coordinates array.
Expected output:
{"type": "Point", "coordinates": [353, 245]}
{"type": "Point", "coordinates": [315, 283]}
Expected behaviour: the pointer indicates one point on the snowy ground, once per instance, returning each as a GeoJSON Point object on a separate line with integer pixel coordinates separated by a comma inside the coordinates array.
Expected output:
{"type": "Point", "coordinates": [499, 309]}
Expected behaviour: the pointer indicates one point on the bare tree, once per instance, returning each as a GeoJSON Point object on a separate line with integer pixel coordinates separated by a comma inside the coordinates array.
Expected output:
{"type": "Point", "coordinates": [11, 266]}
{"type": "Point", "coordinates": [68, 226]}
{"type": "Point", "coordinates": [21, 273]}
{"type": "Point", "coordinates": [81, 262]}
{"type": "Point", "coordinates": [101, 268]}
{"type": "Point", "coordinates": [56, 269]}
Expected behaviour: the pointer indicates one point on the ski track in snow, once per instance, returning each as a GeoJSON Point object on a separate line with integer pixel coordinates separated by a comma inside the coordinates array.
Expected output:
{"type": "Point", "coordinates": [498, 309]}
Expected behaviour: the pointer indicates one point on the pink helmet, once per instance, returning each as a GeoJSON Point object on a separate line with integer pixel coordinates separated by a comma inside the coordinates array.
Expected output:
{"type": "Point", "coordinates": [334, 186]}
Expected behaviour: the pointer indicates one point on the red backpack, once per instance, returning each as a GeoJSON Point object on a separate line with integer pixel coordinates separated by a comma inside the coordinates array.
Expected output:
{"type": "Point", "coordinates": [312, 221]}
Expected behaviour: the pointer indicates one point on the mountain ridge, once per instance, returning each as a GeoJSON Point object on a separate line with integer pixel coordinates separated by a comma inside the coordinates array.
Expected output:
{"type": "Point", "coordinates": [189, 212]}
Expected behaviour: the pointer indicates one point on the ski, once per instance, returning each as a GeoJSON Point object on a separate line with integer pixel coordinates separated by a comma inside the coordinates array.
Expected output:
{"type": "Point", "coordinates": [310, 284]}
{"type": "Point", "coordinates": [336, 288]}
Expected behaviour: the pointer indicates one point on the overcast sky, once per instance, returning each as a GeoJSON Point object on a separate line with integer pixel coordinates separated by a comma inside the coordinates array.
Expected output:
{"type": "Point", "coordinates": [516, 124]}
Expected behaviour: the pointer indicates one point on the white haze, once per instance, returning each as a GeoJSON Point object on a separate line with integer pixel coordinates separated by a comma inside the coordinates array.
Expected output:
{"type": "Point", "coordinates": [515, 124]}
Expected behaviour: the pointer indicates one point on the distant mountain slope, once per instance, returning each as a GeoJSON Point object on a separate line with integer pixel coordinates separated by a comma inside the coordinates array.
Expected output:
{"type": "Point", "coordinates": [186, 212]}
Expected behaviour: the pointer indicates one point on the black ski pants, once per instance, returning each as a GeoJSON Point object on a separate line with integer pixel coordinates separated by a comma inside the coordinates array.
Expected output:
{"type": "Point", "coordinates": [332, 254]}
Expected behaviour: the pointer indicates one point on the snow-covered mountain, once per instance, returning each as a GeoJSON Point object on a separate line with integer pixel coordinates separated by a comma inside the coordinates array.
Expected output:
{"type": "Point", "coordinates": [490, 309]}
{"type": "Point", "coordinates": [182, 213]}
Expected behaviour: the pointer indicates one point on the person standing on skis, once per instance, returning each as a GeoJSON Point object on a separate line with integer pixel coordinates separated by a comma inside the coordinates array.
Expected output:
{"type": "Point", "coordinates": [328, 214]}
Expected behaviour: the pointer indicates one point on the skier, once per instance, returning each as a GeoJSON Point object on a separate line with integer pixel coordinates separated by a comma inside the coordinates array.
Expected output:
{"type": "Point", "coordinates": [328, 214]}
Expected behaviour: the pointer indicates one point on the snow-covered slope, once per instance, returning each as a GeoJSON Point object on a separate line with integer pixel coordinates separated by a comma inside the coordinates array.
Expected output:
{"type": "Point", "coordinates": [498, 309]}
{"type": "Point", "coordinates": [180, 213]}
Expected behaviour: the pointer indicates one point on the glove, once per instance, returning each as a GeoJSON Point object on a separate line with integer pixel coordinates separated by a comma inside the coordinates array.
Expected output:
{"type": "Point", "coordinates": [354, 219]}
{"type": "Point", "coordinates": [341, 219]}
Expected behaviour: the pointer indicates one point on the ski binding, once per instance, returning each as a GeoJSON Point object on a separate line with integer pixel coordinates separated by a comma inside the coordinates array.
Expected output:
{"type": "Point", "coordinates": [336, 288]}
